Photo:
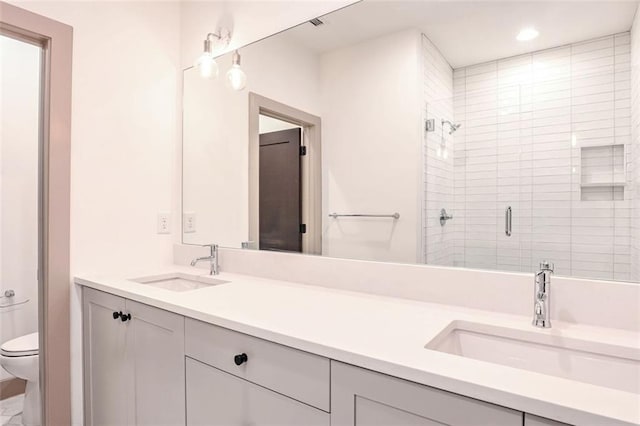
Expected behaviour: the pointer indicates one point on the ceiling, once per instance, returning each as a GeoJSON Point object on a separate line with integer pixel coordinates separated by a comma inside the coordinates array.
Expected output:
{"type": "Point", "coordinates": [470, 32]}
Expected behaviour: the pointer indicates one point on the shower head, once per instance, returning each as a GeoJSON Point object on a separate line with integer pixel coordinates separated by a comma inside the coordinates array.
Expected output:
{"type": "Point", "coordinates": [452, 126]}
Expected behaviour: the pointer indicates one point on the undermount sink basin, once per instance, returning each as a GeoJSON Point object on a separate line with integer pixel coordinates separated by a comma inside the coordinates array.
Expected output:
{"type": "Point", "coordinates": [611, 366]}
{"type": "Point", "coordinates": [178, 281]}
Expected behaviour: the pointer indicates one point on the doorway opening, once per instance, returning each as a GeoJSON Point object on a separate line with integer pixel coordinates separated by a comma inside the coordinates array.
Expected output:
{"type": "Point", "coordinates": [280, 191]}
{"type": "Point", "coordinates": [21, 74]}
{"type": "Point", "coordinates": [285, 178]}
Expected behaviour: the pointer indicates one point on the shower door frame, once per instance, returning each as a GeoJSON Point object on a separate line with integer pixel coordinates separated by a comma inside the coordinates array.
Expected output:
{"type": "Point", "coordinates": [54, 281]}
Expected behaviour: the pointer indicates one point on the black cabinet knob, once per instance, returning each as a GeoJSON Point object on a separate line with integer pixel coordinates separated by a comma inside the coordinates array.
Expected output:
{"type": "Point", "coordinates": [240, 359]}
{"type": "Point", "coordinates": [116, 315]}
{"type": "Point", "coordinates": [124, 317]}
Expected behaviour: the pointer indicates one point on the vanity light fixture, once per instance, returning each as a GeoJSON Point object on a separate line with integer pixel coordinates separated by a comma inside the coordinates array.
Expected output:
{"type": "Point", "coordinates": [206, 63]}
{"type": "Point", "coordinates": [235, 76]}
{"type": "Point", "coordinates": [527, 34]}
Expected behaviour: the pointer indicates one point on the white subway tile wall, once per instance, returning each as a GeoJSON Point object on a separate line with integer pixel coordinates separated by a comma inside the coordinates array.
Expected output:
{"type": "Point", "coordinates": [634, 166]}
{"type": "Point", "coordinates": [438, 156]}
{"type": "Point", "coordinates": [549, 135]}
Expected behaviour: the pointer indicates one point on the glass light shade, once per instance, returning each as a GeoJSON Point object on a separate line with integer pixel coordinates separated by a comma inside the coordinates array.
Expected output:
{"type": "Point", "coordinates": [236, 77]}
{"type": "Point", "coordinates": [207, 66]}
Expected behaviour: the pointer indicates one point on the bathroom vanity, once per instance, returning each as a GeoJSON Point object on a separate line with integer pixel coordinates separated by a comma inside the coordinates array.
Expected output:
{"type": "Point", "coordinates": [222, 354]}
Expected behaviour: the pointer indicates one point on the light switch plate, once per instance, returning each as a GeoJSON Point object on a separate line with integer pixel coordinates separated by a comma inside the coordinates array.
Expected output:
{"type": "Point", "coordinates": [164, 223]}
{"type": "Point", "coordinates": [189, 222]}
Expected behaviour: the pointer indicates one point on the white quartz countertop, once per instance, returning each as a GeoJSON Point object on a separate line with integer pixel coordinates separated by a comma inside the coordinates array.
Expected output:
{"type": "Point", "coordinates": [389, 335]}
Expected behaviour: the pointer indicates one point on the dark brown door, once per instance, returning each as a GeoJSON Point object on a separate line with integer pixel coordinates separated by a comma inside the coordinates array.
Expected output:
{"type": "Point", "coordinates": [280, 203]}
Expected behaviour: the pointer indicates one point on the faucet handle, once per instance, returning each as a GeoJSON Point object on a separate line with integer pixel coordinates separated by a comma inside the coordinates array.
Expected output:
{"type": "Point", "coordinates": [547, 266]}
{"type": "Point", "coordinates": [212, 247]}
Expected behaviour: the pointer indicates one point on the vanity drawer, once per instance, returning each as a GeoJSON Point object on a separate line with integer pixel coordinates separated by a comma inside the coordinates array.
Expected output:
{"type": "Point", "coordinates": [297, 374]}
{"type": "Point", "coordinates": [218, 398]}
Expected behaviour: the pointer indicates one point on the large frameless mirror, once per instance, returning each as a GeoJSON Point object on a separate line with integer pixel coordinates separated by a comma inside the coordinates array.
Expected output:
{"type": "Point", "coordinates": [398, 131]}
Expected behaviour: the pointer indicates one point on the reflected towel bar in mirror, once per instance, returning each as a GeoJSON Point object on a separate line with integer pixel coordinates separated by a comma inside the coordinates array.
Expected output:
{"type": "Point", "coordinates": [394, 215]}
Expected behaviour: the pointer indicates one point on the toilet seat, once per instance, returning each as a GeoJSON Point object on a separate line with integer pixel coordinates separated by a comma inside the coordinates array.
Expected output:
{"type": "Point", "coordinates": [26, 345]}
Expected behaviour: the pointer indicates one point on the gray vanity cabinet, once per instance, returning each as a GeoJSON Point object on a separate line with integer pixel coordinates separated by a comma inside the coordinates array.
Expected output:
{"type": "Point", "coordinates": [105, 366]}
{"type": "Point", "coordinates": [362, 397]}
{"type": "Point", "coordinates": [147, 366]}
{"type": "Point", "coordinates": [133, 362]}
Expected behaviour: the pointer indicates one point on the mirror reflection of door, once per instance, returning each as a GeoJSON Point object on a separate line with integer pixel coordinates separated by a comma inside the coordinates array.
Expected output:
{"type": "Point", "coordinates": [280, 204]}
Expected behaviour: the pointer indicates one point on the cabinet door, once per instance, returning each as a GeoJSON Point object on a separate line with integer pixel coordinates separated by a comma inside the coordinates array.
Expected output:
{"type": "Point", "coordinates": [365, 398]}
{"type": "Point", "coordinates": [531, 420]}
{"type": "Point", "coordinates": [218, 398]}
{"type": "Point", "coordinates": [155, 354]}
{"type": "Point", "coordinates": [105, 371]}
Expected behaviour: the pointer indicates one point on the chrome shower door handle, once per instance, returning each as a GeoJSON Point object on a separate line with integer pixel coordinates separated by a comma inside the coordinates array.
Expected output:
{"type": "Point", "coordinates": [507, 221]}
{"type": "Point", "coordinates": [444, 217]}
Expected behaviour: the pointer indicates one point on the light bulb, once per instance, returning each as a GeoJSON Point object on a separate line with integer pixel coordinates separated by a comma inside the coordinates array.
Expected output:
{"type": "Point", "coordinates": [207, 66]}
{"type": "Point", "coordinates": [236, 77]}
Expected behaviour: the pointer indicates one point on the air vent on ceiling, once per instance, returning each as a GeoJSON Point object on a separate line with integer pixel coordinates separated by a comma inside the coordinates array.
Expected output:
{"type": "Point", "coordinates": [316, 22]}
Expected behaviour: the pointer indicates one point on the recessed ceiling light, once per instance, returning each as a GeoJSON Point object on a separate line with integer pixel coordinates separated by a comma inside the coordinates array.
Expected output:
{"type": "Point", "coordinates": [527, 34]}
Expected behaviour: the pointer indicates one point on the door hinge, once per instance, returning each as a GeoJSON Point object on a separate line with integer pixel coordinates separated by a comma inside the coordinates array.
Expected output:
{"type": "Point", "coordinates": [303, 150]}
{"type": "Point", "coordinates": [303, 228]}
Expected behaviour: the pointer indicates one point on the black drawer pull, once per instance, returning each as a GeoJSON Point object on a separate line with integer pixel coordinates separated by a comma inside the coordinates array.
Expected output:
{"type": "Point", "coordinates": [240, 359]}
{"type": "Point", "coordinates": [124, 317]}
{"type": "Point", "coordinates": [116, 315]}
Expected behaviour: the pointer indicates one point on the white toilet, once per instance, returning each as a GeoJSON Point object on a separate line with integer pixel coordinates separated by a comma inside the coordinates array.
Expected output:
{"type": "Point", "coordinates": [19, 357]}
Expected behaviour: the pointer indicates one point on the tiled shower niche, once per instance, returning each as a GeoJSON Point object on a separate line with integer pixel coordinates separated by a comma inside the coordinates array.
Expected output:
{"type": "Point", "coordinates": [602, 176]}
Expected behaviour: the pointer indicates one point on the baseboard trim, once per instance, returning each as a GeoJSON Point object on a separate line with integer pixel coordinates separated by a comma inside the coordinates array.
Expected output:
{"type": "Point", "coordinates": [11, 387]}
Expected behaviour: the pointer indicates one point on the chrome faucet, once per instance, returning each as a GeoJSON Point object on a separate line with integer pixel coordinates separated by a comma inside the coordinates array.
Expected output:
{"type": "Point", "coordinates": [212, 258]}
{"type": "Point", "coordinates": [542, 296]}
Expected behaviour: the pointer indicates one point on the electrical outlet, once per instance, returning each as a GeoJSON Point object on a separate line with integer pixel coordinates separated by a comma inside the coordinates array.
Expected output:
{"type": "Point", "coordinates": [189, 223]}
{"type": "Point", "coordinates": [164, 223]}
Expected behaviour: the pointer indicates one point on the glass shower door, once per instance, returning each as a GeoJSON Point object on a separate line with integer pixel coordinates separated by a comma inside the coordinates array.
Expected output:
{"type": "Point", "coordinates": [514, 171]}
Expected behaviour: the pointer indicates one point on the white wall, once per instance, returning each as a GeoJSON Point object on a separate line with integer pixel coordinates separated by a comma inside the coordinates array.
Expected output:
{"type": "Point", "coordinates": [437, 81]}
{"type": "Point", "coordinates": [124, 133]}
{"type": "Point", "coordinates": [124, 138]}
{"type": "Point", "coordinates": [635, 132]}
{"type": "Point", "coordinates": [19, 140]}
{"type": "Point", "coordinates": [371, 147]}
{"type": "Point", "coordinates": [524, 122]}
